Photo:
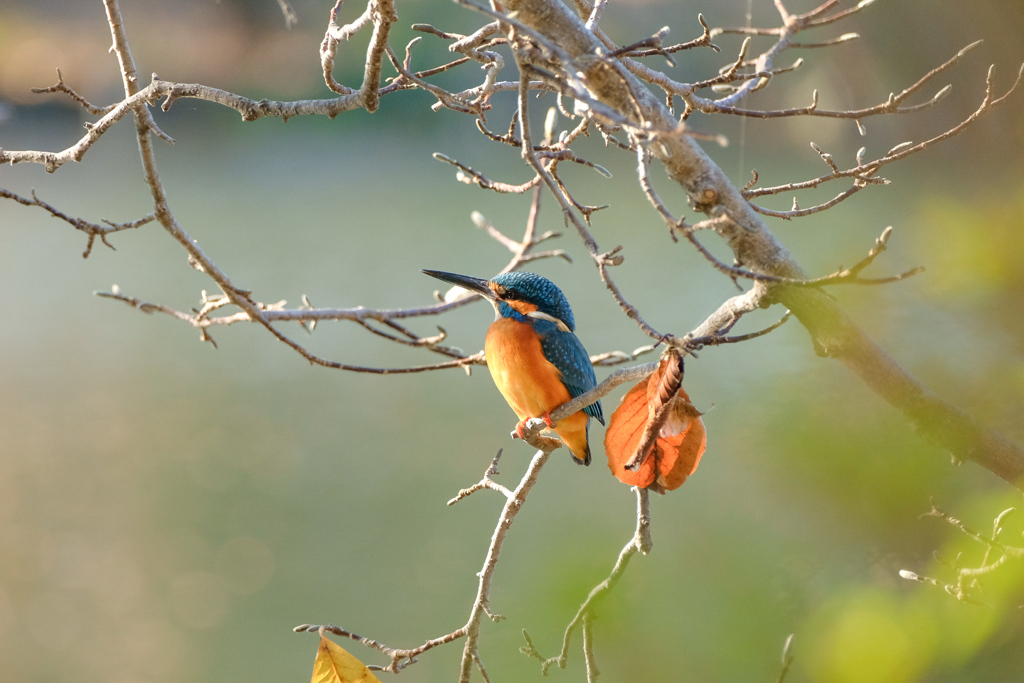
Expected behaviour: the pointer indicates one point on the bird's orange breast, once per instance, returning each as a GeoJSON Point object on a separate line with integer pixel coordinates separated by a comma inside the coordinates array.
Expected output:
{"type": "Point", "coordinates": [529, 382]}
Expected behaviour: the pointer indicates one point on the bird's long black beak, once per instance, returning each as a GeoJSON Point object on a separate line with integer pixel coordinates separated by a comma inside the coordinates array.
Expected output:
{"type": "Point", "coordinates": [473, 284]}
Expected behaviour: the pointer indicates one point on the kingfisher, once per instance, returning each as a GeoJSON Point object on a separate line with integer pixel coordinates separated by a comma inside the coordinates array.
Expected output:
{"type": "Point", "coordinates": [533, 354]}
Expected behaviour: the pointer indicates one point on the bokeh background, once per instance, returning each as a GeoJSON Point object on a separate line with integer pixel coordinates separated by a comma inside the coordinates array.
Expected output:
{"type": "Point", "coordinates": [168, 511]}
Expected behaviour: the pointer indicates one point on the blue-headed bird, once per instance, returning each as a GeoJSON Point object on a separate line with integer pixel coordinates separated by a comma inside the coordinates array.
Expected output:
{"type": "Point", "coordinates": [534, 357]}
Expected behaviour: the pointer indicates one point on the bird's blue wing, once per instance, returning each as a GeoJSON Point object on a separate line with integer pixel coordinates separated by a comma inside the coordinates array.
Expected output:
{"type": "Point", "coordinates": [565, 351]}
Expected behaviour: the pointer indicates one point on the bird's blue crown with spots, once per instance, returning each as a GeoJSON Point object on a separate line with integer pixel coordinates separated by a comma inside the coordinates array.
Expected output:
{"type": "Point", "coordinates": [538, 290]}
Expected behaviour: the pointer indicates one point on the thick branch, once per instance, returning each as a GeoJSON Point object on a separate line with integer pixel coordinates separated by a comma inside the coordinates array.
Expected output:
{"type": "Point", "coordinates": [832, 332]}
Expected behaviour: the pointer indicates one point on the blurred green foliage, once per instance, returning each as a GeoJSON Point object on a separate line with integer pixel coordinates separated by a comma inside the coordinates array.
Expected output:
{"type": "Point", "coordinates": [168, 511]}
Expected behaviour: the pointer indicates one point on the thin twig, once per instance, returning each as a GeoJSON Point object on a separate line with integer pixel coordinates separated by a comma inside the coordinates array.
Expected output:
{"type": "Point", "coordinates": [400, 658]}
{"type": "Point", "coordinates": [61, 86]}
{"type": "Point", "coordinates": [639, 543]}
{"type": "Point", "coordinates": [967, 586]}
{"type": "Point", "coordinates": [508, 513]}
{"type": "Point", "coordinates": [93, 230]}
{"type": "Point", "coordinates": [485, 483]}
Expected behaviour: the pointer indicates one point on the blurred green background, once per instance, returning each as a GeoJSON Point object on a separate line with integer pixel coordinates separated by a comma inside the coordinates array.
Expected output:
{"type": "Point", "coordinates": [169, 511]}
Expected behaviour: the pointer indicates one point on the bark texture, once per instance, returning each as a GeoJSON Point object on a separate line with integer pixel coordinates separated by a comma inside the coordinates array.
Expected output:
{"type": "Point", "coordinates": [832, 332]}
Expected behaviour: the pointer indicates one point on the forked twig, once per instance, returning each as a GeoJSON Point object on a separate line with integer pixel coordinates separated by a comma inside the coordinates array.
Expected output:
{"type": "Point", "coordinates": [639, 543]}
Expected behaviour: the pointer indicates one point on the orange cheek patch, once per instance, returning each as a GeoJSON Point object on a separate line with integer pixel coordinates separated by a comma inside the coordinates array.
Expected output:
{"type": "Point", "coordinates": [522, 306]}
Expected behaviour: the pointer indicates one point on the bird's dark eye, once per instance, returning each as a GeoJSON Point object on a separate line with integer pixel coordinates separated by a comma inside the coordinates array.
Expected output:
{"type": "Point", "coordinates": [509, 295]}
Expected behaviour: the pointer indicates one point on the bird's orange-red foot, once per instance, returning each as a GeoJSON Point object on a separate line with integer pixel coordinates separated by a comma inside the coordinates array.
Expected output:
{"type": "Point", "coordinates": [522, 423]}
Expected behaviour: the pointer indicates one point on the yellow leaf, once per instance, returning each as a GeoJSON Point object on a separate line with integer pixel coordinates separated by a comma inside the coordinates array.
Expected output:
{"type": "Point", "coordinates": [334, 665]}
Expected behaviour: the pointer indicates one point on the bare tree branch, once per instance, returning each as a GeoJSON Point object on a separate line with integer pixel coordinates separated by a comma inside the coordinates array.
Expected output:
{"type": "Point", "coordinates": [93, 230]}
{"type": "Point", "coordinates": [61, 86]}
{"type": "Point", "coordinates": [400, 658]}
{"type": "Point", "coordinates": [833, 333]}
{"type": "Point", "coordinates": [967, 587]}
{"type": "Point", "coordinates": [639, 543]}
{"type": "Point", "coordinates": [601, 87]}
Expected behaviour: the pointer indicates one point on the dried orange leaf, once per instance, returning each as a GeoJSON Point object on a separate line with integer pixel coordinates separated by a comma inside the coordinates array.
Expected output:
{"type": "Point", "coordinates": [657, 405]}
{"type": "Point", "coordinates": [335, 665]}
{"type": "Point", "coordinates": [625, 427]}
